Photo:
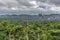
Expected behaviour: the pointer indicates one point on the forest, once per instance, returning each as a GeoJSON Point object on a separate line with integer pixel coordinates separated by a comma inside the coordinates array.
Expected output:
{"type": "Point", "coordinates": [29, 30]}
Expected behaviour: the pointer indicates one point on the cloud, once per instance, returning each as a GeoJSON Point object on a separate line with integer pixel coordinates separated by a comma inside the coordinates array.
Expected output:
{"type": "Point", "coordinates": [55, 8]}
{"type": "Point", "coordinates": [56, 2]}
{"type": "Point", "coordinates": [18, 3]}
{"type": "Point", "coordinates": [28, 4]}
{"type": "Point", "coordinates": [8, 2]}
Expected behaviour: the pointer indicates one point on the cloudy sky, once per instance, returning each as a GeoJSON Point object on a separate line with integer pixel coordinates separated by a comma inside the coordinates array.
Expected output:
{"type": "Point", "coordinates": [53, 5]}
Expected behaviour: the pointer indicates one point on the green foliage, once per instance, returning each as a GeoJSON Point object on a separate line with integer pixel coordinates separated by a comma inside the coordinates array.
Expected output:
{"type": "Point", "coordinates": [31, 30]}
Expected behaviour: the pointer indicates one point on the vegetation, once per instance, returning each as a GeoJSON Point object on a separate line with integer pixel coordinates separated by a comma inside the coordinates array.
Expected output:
{"type": "Point", "coordinates": [29, 30]}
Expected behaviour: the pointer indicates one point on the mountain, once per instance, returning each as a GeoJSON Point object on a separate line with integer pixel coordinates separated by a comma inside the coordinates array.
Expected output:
{"type": "Point", "coordinates": [31, 15]}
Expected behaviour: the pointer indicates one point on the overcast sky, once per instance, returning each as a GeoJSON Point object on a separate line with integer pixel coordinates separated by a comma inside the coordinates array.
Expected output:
{"type": "Point", "coordinates": [53, 5]}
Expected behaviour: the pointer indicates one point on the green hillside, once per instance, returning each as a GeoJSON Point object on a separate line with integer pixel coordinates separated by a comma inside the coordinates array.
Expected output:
{"type": "Point", "coordinates": [29, 30]}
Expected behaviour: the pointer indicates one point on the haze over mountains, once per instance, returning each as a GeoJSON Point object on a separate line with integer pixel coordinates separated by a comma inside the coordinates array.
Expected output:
{"type": "Point", "coordinates": [27, 12]}
{"type": "Point", "coordinates": [30, 14]}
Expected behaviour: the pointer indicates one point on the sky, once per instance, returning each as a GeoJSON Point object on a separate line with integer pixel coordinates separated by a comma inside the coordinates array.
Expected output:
{"type": "Point", "coordinates": [53, 5]}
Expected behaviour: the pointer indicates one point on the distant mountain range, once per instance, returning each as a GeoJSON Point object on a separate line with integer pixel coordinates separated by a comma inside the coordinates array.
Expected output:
{"type": "Point", "coordinates": [32, 17]}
